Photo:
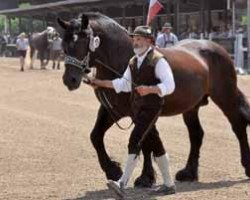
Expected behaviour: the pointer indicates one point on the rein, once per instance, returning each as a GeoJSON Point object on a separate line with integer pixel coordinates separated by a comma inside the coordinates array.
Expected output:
{"type": "Point", "coordinates": [114, 115]}
{"type": "Point", "coordinates": [84, 66]}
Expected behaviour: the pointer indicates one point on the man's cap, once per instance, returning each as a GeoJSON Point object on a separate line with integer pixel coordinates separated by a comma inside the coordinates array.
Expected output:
{"type": "Point", "coordinates": [167, 25]}
{"type": "Point", "coordinates": [144, 31]}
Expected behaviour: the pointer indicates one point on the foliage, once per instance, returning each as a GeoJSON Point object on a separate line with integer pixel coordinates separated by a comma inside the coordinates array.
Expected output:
{"type": "Point", "coordinates": [25, 25]}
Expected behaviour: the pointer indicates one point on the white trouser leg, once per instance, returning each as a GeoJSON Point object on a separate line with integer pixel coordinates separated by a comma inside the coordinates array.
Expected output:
{"type": "Point", "coordinates": [129, 168]}
{"type": "Point", "coordinates": [163, 164]}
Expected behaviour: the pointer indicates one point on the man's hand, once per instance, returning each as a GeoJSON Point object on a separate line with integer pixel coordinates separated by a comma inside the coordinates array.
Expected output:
{"type": "Point", "coordinates": [95, 83]}
{"type": "Point", "coordinates": [92, 82]}
{"type": "Point", "coordinates": [145, 90]}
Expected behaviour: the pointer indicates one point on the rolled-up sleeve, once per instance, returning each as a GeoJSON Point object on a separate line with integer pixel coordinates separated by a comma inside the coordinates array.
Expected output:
{"type": "Point", "coordinates": [165, 74]}
{"type": "Point", "coordinates": [123, 84]}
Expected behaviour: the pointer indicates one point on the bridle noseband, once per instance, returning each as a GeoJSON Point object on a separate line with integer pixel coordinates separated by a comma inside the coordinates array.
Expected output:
{"type": "Point", "coordinates": [84, 63]}
{"type": "Point", "coordinates": [81, 64]}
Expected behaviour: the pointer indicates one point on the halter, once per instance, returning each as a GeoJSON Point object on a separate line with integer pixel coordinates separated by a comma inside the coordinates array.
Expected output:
{"type": "Point", "coordinates": [84, 63]}
{"type": "Point", "coordinates": [81, 64]}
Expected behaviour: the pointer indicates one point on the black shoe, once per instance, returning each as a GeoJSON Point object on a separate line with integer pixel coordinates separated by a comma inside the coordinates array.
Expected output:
{"type": "Point", "coordinates": [164, 190]}
{"type": "Point", "coordinates": [117, 187]}
{"type": "Point", "coordinates": [21, 69]}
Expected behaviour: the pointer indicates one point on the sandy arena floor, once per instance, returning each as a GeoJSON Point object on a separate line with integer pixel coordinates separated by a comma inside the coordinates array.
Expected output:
{"type": "Point", "coordinates": [46, 153]}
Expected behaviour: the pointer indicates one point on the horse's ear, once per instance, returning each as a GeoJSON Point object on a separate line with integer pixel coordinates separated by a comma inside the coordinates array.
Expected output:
{"type": "Point", "coordinates": [63, 24]}
{"type": "Point", "coordinates": [85, 22]}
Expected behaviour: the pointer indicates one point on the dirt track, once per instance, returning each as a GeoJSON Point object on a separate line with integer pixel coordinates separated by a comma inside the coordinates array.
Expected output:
{"type": "Point", "coordinates": [46, 153]}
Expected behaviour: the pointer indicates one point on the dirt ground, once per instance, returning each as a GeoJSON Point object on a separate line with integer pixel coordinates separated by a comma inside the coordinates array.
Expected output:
{"type": "Point", "coordinates": [46, 153]}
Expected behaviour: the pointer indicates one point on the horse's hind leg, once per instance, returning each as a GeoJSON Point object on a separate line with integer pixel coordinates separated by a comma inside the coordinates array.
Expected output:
{"type": "Point", "coordinates": [190, 172]}
{"type": "Point", "coordinates": [32, 52]}
{"type": "Point", "coordinates": [103, 123]}
{"type": "Point", "coordinates": [237, 110]}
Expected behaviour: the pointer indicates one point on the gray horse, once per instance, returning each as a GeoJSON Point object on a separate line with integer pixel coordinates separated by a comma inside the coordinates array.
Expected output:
{"type": "Point", "coordinates": [41, 42]}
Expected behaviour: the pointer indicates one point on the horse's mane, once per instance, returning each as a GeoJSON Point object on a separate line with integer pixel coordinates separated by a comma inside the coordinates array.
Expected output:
{"type": "Point", "coordinates": [111, 27]}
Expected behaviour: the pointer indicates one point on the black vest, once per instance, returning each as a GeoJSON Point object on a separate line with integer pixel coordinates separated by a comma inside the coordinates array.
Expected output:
{"type": "Point", "coordinates": [145, 75]}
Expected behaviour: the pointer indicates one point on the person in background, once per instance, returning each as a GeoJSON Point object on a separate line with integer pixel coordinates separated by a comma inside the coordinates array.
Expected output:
{"type": "Point", "coordinates": [22, 45]}
{"type": "Point", "coordinates": [56, 50]}
{"type": "Point", "coordinates": [167, 38]}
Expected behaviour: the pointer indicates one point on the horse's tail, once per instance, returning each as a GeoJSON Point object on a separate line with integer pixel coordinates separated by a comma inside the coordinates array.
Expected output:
{"type": "Point", "coordinates": [223, 82]}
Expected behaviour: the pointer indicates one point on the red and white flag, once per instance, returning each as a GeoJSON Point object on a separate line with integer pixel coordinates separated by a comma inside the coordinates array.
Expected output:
{"type": "Point", "coordinates": [154, 7]}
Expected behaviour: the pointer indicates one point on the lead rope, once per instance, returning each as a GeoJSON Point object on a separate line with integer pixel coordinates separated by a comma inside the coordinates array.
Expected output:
{"type": "Point", "coordinates": [110, 109]}
{"type": "Point", "coordinates": [106, 103]}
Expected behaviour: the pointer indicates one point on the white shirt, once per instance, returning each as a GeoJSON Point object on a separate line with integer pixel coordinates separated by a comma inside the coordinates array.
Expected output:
{"type": "Point", "coordinates": [57, 44]}
{"type": "Point", "coordinates": [22, 44]}
{"type": "Point", "coordinates": [166, 40]}
{"type": "Point", "coordinates": [162, 71]}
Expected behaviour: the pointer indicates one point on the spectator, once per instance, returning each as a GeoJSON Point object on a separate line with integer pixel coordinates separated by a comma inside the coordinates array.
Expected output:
{"type": "Point", "coordinates": [167, 38]}
{"type": "Point", "coordinates": [56, 51]}
{"type": "Point", "coordinates": [22, 45]}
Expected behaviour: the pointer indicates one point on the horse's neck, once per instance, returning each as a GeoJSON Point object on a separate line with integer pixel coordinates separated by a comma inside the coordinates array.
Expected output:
{"type": "Point", "coordinates": [111, 67]}
{"type": "Point", "coordinates": [114, 58]}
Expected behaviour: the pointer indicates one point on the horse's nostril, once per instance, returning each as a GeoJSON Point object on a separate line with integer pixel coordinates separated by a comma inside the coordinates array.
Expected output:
{"type": "Point", "coordinates": [73, 80]}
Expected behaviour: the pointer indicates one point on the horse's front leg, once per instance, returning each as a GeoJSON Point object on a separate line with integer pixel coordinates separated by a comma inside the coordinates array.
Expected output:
{"type": "Point", "coordinates": [47, 57]}
{"type": "Point", "coordinates": [103, 123]}
{"type": "Point", "coordinates": [147, 177]}
{"type": "Point", "coordinates": [41, 59]}
{"type": "Point", "coordinates": [151, 144]}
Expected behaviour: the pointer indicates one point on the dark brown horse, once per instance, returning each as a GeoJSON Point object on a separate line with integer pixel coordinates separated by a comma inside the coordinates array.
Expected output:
{"type": "Point", "coordinates": [201, 69]}
{"type": "Point", "coordinates": [41, 42]}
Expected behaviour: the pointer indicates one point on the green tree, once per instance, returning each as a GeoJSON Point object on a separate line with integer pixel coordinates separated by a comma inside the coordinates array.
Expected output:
{"type": "Point", "coordinates": [1, 23]}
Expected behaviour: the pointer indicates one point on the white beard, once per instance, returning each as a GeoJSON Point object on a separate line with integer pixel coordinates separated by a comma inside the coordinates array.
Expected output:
{"type": "Point", "coordinates": [139, 51]}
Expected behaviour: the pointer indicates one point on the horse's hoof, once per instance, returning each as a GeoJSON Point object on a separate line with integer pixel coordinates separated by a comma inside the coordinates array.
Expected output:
{"type": "Point", "coordinates": [144, 182]}
{"type": "Point", "coordinates": [114, 171]}
{"type": "Point", "coordinates": [247, 171]}
{"type": "Point", "coordinates": [186, 175]}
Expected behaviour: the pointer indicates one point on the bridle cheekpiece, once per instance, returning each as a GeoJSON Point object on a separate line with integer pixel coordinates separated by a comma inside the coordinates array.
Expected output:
{"type": "Point", "coordinates": [84, 63]}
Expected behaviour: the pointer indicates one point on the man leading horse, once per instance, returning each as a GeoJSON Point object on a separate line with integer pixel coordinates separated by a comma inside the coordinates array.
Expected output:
{"type": "Point", "coordinates": [149, 78]}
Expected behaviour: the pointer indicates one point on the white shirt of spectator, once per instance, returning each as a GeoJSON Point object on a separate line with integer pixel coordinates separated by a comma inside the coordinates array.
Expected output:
{"type": "Point", "coordinates": [162, 71]}
{"type": "Point", "coordinates": [166, 40]}
{"type": "Point", "coordinates": [22, 44]}
{"type": "Point", "coordinates": [57, 44]}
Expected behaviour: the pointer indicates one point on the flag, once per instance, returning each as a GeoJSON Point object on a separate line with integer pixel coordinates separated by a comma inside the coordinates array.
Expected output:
{"type": "Point", "coordinates": [154, 7]}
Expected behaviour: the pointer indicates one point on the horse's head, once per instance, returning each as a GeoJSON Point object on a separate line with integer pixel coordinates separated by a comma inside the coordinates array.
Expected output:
{"type": "Point", "coordinates": [78, 42]}
{"type": "Point", "coordinates": [51, 32]}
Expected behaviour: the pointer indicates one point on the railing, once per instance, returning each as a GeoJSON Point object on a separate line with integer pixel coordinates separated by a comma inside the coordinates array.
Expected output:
{"type": "Point", "coordinates": [240, 55]}
{"type": "Point", "coordinates": [237, 50]}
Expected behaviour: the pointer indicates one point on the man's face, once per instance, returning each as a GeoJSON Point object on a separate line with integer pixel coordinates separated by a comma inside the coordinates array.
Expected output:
{"type": "Point", "coordinates": [167, 30]}
{"type": "Point", "coordinates": [140, 42]}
